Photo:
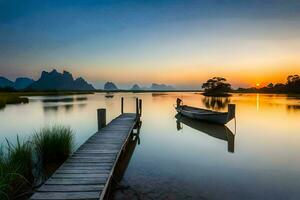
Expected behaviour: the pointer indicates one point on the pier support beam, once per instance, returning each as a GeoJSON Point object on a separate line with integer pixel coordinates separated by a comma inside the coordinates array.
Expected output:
{"type": "Point", "coordinates": [137, 107]}
{"type": "Point", "coordinates": [101, 116]}
{"type": "Point", "coordinates": [140, 106]}
{"type": "Point", "coordinates": [122, 105]}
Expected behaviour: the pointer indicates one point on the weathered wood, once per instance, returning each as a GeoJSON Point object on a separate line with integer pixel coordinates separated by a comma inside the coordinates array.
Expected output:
{"type": "Point", "coordinates": [83, 171]}
{"type": "Point", "coordinates": [140, 106]}
{"type": "Point", "coordinates": [101, 116]}
{"type": "Point", "coordinates": [87, 173]}
{"type": "Point", "coordinates": [137, 106]}
{"type": "Point", "coordinates": [122, 105]}
{"type": "Point", "coordinates": [70, 176]}
{"type": "Point", "coordinates": [71, 188]}
{"type": "Point", "coordinates": [76, 181]}
{"type": "Point", "coordinates": [66, 195]}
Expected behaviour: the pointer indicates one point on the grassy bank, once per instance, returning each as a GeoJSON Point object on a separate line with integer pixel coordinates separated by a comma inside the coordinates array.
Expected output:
{"type": "Point", "coordinates": [18, 97]}
{"type": "Point", "coordinates": [50, 146]}
{"type": "Point", "coordinates": [6, 98]}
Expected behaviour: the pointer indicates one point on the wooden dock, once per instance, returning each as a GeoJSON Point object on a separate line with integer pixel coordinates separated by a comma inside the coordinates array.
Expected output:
{"type": "Point", "coordinates": [88, 172]}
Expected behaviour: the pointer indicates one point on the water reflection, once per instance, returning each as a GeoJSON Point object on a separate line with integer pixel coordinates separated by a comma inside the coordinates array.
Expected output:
{"type": "Point", "coordinates": [61, 107]}
{"type": "Point", "coordinates": [67, 99]}
{"type": "Point", "coordinates": [160, 169]}
{"type": "Point", "coordinates": [156, 94]}
{"type": "Point", "coordinates": [293, 108]}
{"type": "Point", "coordinates": [214, 130]}
{"type": "Point", "coordinates": [66, 104]}
{"type": "Point", "coordinates": [125, 160]}
{"type": "Point", "coordinates": [216, 103]}
{"type": "Point", "coordinates": [50, 109]}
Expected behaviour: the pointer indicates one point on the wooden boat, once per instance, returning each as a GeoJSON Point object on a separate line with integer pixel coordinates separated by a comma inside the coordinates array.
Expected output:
{"type": "Point", "coordinates": [109, 95]}
{"type": "Point", "coordinates": [214, 130]}
{"type": "Point", "coordinates": [206, 115]}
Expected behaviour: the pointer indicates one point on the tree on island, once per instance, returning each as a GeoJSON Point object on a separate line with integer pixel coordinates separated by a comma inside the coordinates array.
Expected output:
{"type": "Point", "coordinates": [293, 83]}
{"type": "Point", "coordinates": [216, 86]}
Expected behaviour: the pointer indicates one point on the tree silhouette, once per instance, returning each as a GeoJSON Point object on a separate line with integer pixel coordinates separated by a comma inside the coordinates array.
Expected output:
{"type": "Point", "coordinates": [216, 85]}
{"type": "Point", "coordinates": [293, 83]}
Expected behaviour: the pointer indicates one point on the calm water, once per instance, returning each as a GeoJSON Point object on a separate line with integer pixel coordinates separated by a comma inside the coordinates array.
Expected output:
{"type": "Point", "coordinates": [180, 159]}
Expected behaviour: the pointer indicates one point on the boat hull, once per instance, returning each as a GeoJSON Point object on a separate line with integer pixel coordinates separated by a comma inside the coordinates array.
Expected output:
{"type": "Point", "coordinates": [203, 115]}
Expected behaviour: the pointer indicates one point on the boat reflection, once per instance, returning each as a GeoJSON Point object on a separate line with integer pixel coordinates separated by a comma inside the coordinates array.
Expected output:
{"type": "Point", "coordinates": [67, 108]}
{"type": "Point", "coordinates": [214, 130]}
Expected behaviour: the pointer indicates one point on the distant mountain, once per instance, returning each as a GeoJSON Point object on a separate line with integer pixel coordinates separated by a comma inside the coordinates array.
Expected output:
{"type": "Point", "coordinates": [110, 86]}
{"type": "Point", "coordinates": [59, 81]}
{"type": "Point", "coordinates": [4, 82]}
{"type": "Point", "coordinates": [156, 86]}
{"type": "Point", "coordinates": [135, 87]}
{"type": "Point", "coordinates": [22, 83]}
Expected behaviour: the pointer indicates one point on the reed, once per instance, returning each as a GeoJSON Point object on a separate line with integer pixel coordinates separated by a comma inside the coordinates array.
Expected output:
{"type": "Point", "coordinates": [4, 177]}
{"type": "Point", "coordinates": [15, 170]}
{"type": "Point", "coordinates": [53, 144]}
{"type": "Point", "coordinates": [19, 157]}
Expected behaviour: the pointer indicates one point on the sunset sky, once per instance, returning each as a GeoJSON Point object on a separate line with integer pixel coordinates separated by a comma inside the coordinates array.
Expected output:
{"type": "Point", "coordinates": [182, 43]}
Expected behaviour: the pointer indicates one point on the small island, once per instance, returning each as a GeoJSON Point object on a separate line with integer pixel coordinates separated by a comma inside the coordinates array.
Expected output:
{"type": "Point", "coordinates": [217, 87]}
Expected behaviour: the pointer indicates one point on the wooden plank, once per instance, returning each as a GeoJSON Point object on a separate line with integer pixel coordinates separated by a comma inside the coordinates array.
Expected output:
{"type": "Point", "coordinates": [83, 171]}
{"type": "Point", "coordinates": [66, 195]}
{"type": "Point", "coordinates": [96, 151]}
{"type": "Point", "coordinates": [66, 176]}
{"type": "Point", "coordinates": [71, 188]}
{"type": "Point", "coordinates": [88, 164]}
{"type": "Point", "coordinates": [99, 181]}
{"type": "Point", "coordinates": [100, 167]}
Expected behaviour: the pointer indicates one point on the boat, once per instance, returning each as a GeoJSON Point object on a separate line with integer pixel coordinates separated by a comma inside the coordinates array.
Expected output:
{"type": "Point", "coordinates": [204, 114]}
{"type": "Point", "coordinates": [109, 95]}
{"type": "Point", "coordinates": [218, 131]}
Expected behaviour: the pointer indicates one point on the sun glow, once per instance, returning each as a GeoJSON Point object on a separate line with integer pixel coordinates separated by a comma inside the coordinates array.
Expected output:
{"type": "Point", "coordinates": [257, 84]}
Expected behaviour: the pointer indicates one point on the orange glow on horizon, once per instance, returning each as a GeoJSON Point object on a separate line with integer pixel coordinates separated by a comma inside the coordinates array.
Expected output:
{"type": "Point", "coordinates": [192, 75]}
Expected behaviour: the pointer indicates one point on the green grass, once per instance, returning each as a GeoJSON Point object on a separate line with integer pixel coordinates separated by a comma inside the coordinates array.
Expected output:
{"type": "Point", "coordinates": [15, 170]}
{"type": "Point", "coordinates": [20, 157]}
{"type": "Point", "coordinates": [54, 144]}
{"type": "Point", "coordinates": [4, 177]}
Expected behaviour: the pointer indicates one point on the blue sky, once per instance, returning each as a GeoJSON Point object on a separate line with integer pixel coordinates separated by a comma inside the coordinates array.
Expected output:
{"type": "Point", "coordinates": [173, 42]}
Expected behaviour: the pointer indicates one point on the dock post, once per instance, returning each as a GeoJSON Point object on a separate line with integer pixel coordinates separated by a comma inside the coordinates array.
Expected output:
{"type": "Point", "coordinates": [101, 116]}
{"type": "Point", "coordinates": [140, 106]}
{"type": "Point", "coordinates": [137, 107]}
{"type": "Point", "coordinates": [122, 105]}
